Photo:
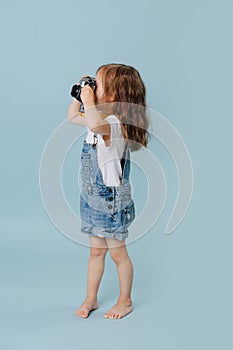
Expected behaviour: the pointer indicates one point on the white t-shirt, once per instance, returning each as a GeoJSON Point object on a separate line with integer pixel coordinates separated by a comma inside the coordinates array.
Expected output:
{"type": "Point", "coordinates": [109, 157]}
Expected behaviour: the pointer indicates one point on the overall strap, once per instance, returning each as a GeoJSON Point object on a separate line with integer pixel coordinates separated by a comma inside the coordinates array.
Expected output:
{"type": "Point", "coordinates": [123, 159]}
{"type": "Point", "coordinates": [95, 138]}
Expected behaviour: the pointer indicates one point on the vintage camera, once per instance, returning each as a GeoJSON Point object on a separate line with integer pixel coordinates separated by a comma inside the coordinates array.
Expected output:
{"type": "Point", "coordinates": [76, 89]}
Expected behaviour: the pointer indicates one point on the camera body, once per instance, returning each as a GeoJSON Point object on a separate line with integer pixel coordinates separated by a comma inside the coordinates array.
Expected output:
{"type": "Point", "coordinates": [76, 89]}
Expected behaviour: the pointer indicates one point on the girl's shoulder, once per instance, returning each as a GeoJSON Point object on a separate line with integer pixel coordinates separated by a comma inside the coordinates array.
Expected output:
{"type": "Point", "coordinates": [114, 122]}
{"type": "Point", "coordinates": [115, 125]}
{"type": "Point", "coordinates": [113, 118]}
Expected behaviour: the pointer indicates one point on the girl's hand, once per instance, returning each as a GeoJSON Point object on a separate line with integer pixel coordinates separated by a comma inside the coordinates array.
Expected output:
{"type": "Point", "coordinates": [87, 96]}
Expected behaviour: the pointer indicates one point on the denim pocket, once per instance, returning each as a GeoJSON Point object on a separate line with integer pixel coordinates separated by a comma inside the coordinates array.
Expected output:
{"type": "Point", "coordinates": [128, 214]}
{"type": "Point", "coordinates": [124, 191]}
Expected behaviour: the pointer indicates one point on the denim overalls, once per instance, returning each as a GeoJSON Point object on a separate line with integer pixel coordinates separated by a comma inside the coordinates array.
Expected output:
{"type": "Point", "coordinates": [105, 211]}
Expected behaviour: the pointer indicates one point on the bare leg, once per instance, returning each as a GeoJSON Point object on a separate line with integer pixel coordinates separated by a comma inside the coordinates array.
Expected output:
{"type": "Point", "coordinates": [98, 250]}
{"type": "Point", "coordinates": [124, 265]}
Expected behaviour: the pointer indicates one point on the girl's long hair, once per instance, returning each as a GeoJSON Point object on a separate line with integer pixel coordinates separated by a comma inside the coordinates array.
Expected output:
{"type": "Point", "coordinates": [124, 94]}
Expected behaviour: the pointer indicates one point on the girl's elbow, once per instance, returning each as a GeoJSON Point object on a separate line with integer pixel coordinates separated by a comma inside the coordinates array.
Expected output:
{"type": "Point", "coordinates": [69, 118]}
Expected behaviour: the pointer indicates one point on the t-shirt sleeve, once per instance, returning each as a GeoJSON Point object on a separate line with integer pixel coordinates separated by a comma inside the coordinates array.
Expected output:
{"type": "Point", "coordinates": [115, 125]}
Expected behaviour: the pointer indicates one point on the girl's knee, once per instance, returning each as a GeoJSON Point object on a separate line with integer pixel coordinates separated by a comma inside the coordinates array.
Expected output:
{"type": "Point", "coordinates": [98, 252]}
{"type": "Point", "coordinates": [118, 254]}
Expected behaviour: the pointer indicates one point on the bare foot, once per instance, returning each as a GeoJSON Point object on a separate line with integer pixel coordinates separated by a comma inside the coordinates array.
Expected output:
{"type": "Point", "coordinates": [85, 309]}
{"type": "Point", "coordinates": [119, 310]}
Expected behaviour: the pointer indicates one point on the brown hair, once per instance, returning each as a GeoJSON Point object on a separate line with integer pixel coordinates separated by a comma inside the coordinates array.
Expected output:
{"type": "Point", "coordinates": [124, 94]}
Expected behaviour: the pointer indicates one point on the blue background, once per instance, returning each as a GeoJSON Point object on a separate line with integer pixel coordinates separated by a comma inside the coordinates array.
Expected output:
{"type": "Point", "coordinates": [183, 289]}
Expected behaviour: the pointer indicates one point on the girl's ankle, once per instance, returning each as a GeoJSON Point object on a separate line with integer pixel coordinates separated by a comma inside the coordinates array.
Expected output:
{"type": "Point", "coordinates": [91, 300]}
{"type": "Point", "coordinates": [126, 301]}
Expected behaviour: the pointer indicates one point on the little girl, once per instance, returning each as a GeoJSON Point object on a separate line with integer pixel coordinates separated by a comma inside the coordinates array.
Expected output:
{"type": "Point", "coordinates": [117, 123]}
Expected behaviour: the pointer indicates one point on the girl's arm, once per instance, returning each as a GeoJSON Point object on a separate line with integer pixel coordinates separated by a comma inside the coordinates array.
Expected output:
{"type": "Point", "coordinates": [93, 118]}
{"type": "Point", "coordinates": [74, 115]}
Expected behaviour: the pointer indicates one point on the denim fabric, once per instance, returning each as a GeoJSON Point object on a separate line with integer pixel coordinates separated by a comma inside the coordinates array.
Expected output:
{"type": "Point", "coordinates": [105, 211]}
